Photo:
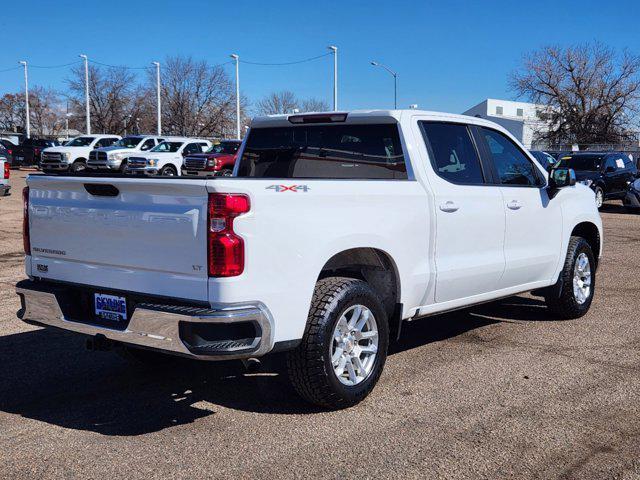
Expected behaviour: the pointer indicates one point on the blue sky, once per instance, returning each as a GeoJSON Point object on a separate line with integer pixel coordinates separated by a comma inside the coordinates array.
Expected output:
{"type": "Point", "coordinates": [449, 54]}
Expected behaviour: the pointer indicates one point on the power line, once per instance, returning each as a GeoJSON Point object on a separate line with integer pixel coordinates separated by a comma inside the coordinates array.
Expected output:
{"type": "Point", "coordinates": [310, 59]}
{"type": "Point", "coordinates": [54, 66]}
{"type": "Point", "coordinates": [118, 66]}
{"type": "Point", "coordinates": [9, 69]}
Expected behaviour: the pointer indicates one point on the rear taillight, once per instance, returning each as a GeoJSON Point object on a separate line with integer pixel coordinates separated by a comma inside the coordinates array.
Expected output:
{"type": "Point", "coordinates": [7, 170]}
{"type": "Point", "coordinates": [25, 221]}
{"type": "Point", "coordinates": [226, 249]}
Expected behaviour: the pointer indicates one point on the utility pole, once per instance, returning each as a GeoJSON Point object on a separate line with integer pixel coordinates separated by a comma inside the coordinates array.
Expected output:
{"type": "Point", "coordinates": [237, 59]}
{"type": "Point", "coordinates": [26, 99]}
{"type": "Point", "coordinates": [157, 64]}
{"type": "Point", "coordinates": [86, 91]}
{"type": "Point", "coordinates": [334, 49]}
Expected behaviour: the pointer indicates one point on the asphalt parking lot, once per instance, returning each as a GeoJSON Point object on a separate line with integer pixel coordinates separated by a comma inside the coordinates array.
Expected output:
{"type": "Point", "coordinates": [497, 391]}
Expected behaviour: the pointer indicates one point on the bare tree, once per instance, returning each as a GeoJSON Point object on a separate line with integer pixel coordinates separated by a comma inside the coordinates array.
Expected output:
{"type": "Point", "coordinates": [114, 98]}
{"type": "Point", "coordinates": [591, 94]}
{"type": "Point", "coordinates": [11, 111]}
{"type": "Point", "coordinates": [197, 99]}
{"type": "Point", "coordinates": [313, 105]}
{"type": "Point", "coordinates": [277, 102]}
{"type": "Point", "coordinates": [44, 111]}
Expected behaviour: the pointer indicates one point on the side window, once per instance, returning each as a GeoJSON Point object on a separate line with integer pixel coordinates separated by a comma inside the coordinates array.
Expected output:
{"type": "Point", "coordinates": [453, 154]}
{"type": "Point", "coordinates": [610, 165]}
{"type": "Point", "coordinates": [148, 144]}
{"type": "Point", "coordinates": [106, 142]}
{"type": "Point", "coordinates": [192, 148]}
{"type": "Point", "coordinates": [512, 166]}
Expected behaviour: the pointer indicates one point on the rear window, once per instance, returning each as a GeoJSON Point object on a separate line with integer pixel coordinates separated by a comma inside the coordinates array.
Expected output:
{"type": "Point", "coordinates": [324, 151]}
{"type": "Point", "coordinates": [582, 162]}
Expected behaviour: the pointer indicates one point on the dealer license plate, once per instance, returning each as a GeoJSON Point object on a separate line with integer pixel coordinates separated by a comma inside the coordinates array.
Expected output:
{"type": "Point", "coordinates": [110, 307]}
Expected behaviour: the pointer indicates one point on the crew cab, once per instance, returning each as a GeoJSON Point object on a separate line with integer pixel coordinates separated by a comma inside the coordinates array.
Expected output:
{"type": "Point", "coordinates": [5, 174]}
{"type": "Point", "coordinates": [29, 151]}
{"type": "Point", "coordinates": [218, 160]}
{"type": "Point", "coordinates": [115, 157]}
{"type": "Point", "coordinates": [166, 158]}
{"type": "Point", "coordinates": [73, 155]}
{"type": "Point", "coordinates": [607, 174]}
{"type": "Point", "coordinates": [335, 229]}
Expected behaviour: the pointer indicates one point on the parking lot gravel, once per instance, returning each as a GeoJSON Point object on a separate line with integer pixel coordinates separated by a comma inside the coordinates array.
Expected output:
{"type": "Point", "coordinates": [496, 391]}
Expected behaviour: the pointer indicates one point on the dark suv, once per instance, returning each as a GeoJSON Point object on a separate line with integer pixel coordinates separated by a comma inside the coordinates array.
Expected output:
{"type": "Point", "coordinates": [28, 152]}
{"type": "Point", "coordinates": [608, 174]}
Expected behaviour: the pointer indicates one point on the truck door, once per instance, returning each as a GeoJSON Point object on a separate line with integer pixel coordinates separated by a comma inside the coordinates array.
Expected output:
{"type": "Point", "coordinates": [533, 236]}
{"type": "Point", "coordinates": [470, 218]}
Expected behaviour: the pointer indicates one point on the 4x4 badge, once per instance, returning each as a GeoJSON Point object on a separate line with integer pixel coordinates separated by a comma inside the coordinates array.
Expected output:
{"type": "Point", "coordinates": [288, 188]}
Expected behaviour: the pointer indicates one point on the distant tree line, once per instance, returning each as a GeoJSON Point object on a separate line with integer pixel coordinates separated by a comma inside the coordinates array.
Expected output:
{"type": "Point", "coordinates": [197, 100]}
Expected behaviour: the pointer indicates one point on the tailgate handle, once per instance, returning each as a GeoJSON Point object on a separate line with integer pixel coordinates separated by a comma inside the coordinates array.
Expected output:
{"type": "Point", "coordinates": [101, 189]}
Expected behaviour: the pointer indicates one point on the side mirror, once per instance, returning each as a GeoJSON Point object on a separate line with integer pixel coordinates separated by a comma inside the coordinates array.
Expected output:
{"type": "Point", "coordinates": [561, 177]}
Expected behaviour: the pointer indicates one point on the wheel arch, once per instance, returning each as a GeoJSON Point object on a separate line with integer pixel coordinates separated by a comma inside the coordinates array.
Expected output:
{"type": "Point", "coordinates": [590, 232]}
{"type": "Point", "coordinates": [377, 268]}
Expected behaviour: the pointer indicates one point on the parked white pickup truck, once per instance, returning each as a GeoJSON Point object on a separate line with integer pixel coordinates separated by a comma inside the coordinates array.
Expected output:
{"type": "Point", "coordinates": [334, 230]}
{"type": "Point", "coordinates": [73, 155]}
{"type": "Point", "coordinates": [115, 157]}
{"type": "Point", "coordinates": [166, 159]}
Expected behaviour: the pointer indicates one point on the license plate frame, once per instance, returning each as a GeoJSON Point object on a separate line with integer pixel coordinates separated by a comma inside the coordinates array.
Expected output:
{"type": "Point", "coordinates": [110, 307]}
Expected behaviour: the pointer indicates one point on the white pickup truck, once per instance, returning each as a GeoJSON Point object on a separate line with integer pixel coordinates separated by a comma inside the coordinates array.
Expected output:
{"type": "Point", "coordinates": [334, 229]}
{"type": "Point", "coordinates": [73, 155]}
{"type": "Point", "coordinates": [166, 159]}
{"type": "Point", "coordinates": [114, 158]}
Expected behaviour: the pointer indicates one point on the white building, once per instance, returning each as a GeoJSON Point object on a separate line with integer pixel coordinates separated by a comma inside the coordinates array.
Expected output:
{"type": "Point", "coordinates": [522, 119]}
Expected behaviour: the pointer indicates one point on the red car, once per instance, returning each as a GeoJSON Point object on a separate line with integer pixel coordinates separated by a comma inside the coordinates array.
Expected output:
{"type": "Point", "coordinates": [218, 160]}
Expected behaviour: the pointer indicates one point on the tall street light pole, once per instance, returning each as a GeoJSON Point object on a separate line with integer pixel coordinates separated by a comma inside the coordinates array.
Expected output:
{"type": "Point", "coordinates": [334, 49]}
{"type": "Point", "coordinates": [26, 99]}
{"type": "Point", "coordinates": [157, 64]}
{"type": "Point", "coordinates": [395, 82]}
{"type": "Point", "coordinates": [237, 59]}
{"type": "Point", "coordinates": [86, 91]}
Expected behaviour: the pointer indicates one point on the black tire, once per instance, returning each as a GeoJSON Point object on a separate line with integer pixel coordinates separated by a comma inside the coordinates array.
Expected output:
{"type": "Point", "coordinates": [309, 365]}
{"type": "Point", "coordinates": [140, 356]}
{"type": "Point", "coordinates": [226, 173]}
{"type": "Point", "coordinates": [563, 303]}
{"type": "Point", "coordinates": [123, 167]}
{"type": "Point", "coordinates": [77, 166]}
{"type": "Point", "coordinates": [168, 171]}
{"type": "Point", "coordinates": [599, 191]}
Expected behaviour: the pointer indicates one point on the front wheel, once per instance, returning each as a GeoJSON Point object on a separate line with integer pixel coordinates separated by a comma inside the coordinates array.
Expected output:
{"type": "Point", "coordinates": [576, 284]}
{"type": "Point", "coordinates": [599, 197]}
{"type": "Point", "coordinates": [344, 346]}
{"type": "Point", "coordinates": [78, 166]}
{"type": "Point", "coordinates": [168, 171]}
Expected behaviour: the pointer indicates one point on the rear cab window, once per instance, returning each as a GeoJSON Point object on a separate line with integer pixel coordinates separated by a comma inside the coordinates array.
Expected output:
{"type": "Point", "coordinates": [335, 151]}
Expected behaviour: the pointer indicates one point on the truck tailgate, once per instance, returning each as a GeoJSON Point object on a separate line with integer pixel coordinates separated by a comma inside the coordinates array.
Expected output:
{"type": "Point", "coordinates": [140, 235]}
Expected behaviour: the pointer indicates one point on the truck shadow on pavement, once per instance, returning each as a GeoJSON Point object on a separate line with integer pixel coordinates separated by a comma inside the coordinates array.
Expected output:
{"type": "Point", "coordinates": [47, 375]}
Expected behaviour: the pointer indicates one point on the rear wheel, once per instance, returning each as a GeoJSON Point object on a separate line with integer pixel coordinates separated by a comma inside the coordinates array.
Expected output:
{"type": "Point", "coordinates": [576, 284]}
{"type": "Point", "coordinates": [344, 347]}
{"type": "Point", "coordinates": [168, 171]}
{"type": "Point", "coordinates": [226, 173]}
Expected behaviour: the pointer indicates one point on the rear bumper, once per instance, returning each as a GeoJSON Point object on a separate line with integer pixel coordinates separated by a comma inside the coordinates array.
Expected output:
{"type": "Point", "coordinates": [191, 331]}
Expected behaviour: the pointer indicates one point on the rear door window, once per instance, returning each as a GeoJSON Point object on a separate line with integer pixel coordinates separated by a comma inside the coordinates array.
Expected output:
{"type": "Point", "coordinates": [324, 151]}
{"type": "Point", "coordinates": [452, 152]}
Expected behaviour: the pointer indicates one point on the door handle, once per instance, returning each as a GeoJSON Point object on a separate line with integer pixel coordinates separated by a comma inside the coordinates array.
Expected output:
{"type": "Point", "coordinates": [514, 205]}
{"type": "Point", "coordinates": [449, 206]}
